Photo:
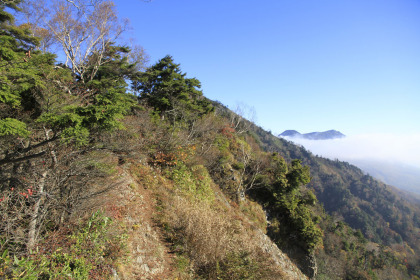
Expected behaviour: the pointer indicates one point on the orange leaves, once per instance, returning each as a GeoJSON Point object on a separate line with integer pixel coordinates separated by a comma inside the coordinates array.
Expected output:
{"type": "Point", "coordinates": [162, 159]}
{"type": "Point", "coordinates": [181, 154]}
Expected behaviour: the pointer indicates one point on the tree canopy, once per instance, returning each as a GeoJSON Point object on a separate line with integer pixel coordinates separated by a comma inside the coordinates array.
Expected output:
{"type": "Point", "coordinates": [164, 87]}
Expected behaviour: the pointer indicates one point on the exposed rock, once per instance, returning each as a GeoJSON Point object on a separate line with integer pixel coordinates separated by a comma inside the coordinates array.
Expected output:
{"type": "Point", "coordinates": [280, 258]}
{"type": "Point", "coordinates": [311, 266]}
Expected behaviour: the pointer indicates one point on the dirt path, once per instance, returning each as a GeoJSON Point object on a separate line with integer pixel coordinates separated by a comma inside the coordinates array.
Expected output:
{"type": "Point", "coordinates": [132, 204]}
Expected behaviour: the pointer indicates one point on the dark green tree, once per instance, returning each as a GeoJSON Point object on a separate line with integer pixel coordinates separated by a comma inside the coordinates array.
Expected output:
{"type": "Point", "coordinates": [100, 103]}
{"type": "Point", "coordinates": [110, 100]}
{"type": "Point", "coordinates": [18, 72]}
{"type": "Point", "coordinates": [298, 175]}
{"type": "Point", "coordinates": [43, 105]}
{"type": "Point", "coordinates": [289, 203]}
{"type": "Point", "coordinates": [165, 88]}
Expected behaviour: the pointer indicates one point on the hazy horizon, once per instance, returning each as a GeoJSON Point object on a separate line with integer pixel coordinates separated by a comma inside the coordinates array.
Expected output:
{"type": "Point", "coordinates": [396, 148]}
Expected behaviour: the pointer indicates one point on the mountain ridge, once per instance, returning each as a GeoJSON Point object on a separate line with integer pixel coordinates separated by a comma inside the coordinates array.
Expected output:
{"type": "Point", "coordinates": [153, 182]}
{"type": "Point", "coordinates": [324, 135]}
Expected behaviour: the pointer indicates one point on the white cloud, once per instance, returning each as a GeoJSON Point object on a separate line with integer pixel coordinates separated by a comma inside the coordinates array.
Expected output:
{"type": "Point", "coordinates": [384, 147]}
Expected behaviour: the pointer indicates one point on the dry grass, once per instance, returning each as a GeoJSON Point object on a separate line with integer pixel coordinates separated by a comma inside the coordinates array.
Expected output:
{"type": "Point", "coordinates": [205, 234]}
{"type": "Point", "coordinates": [208, 239]}
{"type": "Point", "coordinates": [217, 241]}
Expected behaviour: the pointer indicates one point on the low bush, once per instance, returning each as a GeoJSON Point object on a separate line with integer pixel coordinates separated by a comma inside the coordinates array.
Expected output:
{"type": "Point", "coordinates": [194, 181]}
{"type": "Point", "coordinates": [87, 253]}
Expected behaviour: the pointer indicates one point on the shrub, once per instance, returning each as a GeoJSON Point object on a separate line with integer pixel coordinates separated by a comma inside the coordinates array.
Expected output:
{"type": "Point", "coordinates": [193, 181]}
{"type": "Point", "coordinates": [88, 253]}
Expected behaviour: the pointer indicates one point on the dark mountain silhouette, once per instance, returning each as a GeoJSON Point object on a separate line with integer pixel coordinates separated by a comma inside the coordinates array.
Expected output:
{"type": "Point", "coordinates": [325, 135]}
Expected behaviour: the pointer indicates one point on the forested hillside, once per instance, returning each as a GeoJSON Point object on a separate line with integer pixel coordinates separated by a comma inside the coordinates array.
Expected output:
{"type": "Point", "coordinates": [383, 214]}
{"type": "Point", "coordinates": [113, 170]}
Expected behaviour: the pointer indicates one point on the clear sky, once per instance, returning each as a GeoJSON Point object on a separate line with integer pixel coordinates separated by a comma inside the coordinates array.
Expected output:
{"type": "Point", "coordinates": [349, 65]}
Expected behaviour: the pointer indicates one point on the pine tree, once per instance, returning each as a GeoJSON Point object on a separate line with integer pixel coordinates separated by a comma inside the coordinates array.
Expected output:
{"type": "Point", "coordinates": [19, 73]}
{"type": "Point", "coordinates": [165, 88]}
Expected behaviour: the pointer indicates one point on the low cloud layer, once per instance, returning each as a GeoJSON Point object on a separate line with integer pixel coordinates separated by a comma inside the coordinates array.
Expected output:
{"type": "Point", "coordinates": [404, 149]}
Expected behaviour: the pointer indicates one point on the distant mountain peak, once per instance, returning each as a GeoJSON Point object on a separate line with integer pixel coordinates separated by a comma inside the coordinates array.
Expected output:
{"type": "Point", "coordinates": [290, 133]}
{"type": "Point", "coordinates": [325, 135]}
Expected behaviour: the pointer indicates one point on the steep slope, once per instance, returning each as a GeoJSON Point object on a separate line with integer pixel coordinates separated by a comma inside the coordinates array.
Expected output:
{"type": "Point", "coordinates": [348, 194]}
{"type": "Point", "coordinates": [99, 181]}
{"type": "Point", "coordinates": [159, 216]}
{"type": "Point", "coordinates": [139, 202]}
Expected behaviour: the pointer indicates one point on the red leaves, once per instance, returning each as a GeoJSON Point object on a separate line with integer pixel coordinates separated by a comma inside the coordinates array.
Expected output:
{"type": "Point", "coordinates": [30, 192]}
{"type": "Point", "coordinates": [227, 131]}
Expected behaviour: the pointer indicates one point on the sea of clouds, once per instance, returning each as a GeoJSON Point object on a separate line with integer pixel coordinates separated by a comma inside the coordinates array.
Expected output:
{"type": "Point", "coordinates": [391, 148]}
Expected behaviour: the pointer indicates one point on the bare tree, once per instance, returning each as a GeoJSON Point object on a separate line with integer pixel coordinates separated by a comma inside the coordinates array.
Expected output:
{"type": "Point", "coordinates": [251, 166]}
{"type": "Point", "coordinates": [82, 29]}
{"type": "Point", "coordinates": [34, 14]}
{"type": "Point", "coordinates": [242, 117]}
{"type": "Point", "coordinates": [138, 56]}
{"type": "Point", "coordinates": [85, 28]}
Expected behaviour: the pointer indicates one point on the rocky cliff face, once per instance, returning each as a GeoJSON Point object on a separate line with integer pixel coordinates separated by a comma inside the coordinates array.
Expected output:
{"type": "Point", "coordinates": [280, 258]}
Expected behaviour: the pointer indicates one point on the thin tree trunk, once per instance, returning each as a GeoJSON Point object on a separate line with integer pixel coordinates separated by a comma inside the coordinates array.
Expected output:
{"type": "Point", "coordinates": [41, 186]}
{"type": "Point", "coordinates": [35, 213]}
{"type": "Point", "coordinates": [52, 151]}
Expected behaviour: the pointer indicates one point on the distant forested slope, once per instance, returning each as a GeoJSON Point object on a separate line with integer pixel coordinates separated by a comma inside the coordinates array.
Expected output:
{"type": "Point", "coordinates": [385, 217]}
{"type": "Point", "coordinates": [382, 214]}
{"type": "Point", "coordinates": [403, 176]}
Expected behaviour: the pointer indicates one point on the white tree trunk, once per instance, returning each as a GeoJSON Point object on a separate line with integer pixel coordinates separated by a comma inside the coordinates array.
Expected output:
{"type": "Point", "coordinates": [34, 221]}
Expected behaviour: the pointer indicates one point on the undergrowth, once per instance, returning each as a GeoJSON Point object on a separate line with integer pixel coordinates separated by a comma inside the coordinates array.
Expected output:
{"type": "Point", "coordinates": [206, 239]}
{"type": "Point", "coordinates": [89, 252]}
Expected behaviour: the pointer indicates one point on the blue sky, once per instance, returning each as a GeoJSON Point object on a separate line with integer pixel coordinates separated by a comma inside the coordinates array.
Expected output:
{"type": "Point", "coordinates": [349, 65]}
